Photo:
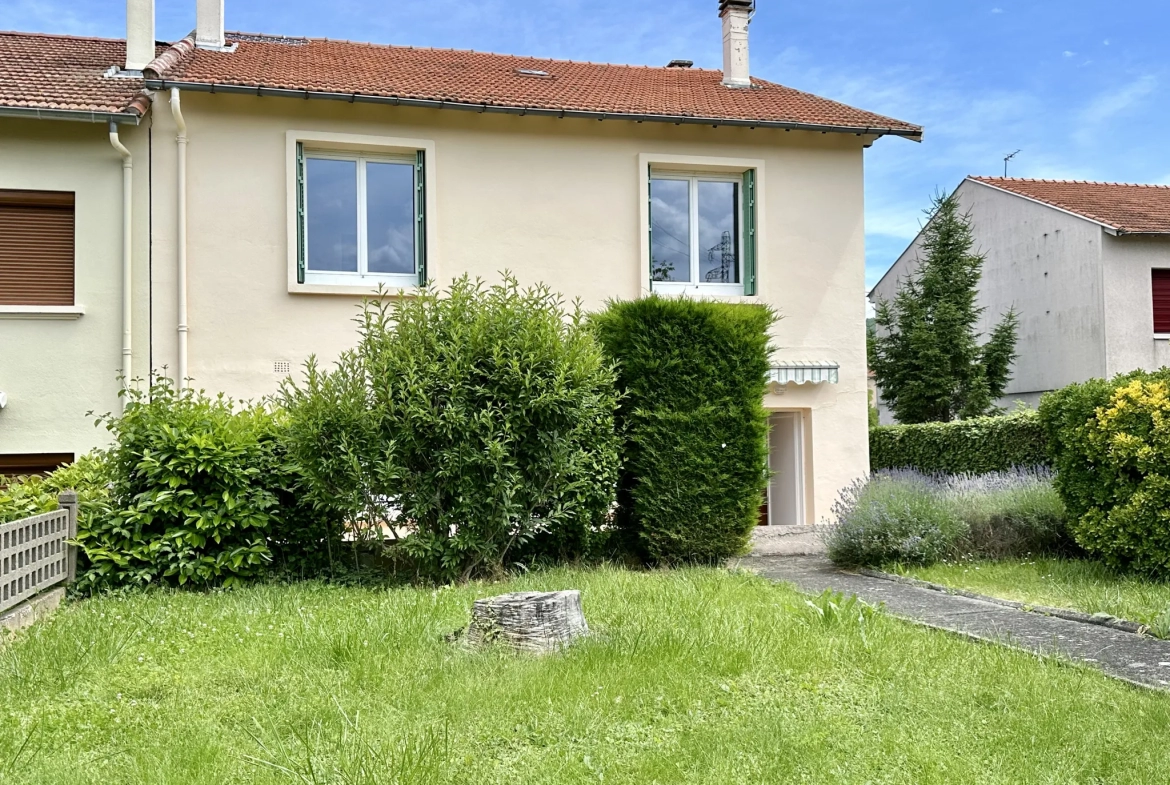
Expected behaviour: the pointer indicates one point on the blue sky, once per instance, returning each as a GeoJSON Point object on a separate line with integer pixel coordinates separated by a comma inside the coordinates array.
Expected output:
{"type": "Point", "coordinates": [1080, 86]}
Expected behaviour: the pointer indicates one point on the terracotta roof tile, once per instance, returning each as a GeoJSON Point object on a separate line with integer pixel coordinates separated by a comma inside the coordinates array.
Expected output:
{"type": "Point", "coordinates": [1125, 207]}
{"type": "Point", "coordinates": [64, 73]}
{"type": "Point", "coordinates": [477, 78]}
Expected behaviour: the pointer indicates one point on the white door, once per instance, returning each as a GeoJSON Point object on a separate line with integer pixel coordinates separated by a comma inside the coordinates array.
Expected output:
{"type": "Point", "coordinates": [786, 460]}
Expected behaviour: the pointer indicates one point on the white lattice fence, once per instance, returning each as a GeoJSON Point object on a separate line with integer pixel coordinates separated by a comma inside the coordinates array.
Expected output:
{"type": "Point", "coordinates": [35, 553]}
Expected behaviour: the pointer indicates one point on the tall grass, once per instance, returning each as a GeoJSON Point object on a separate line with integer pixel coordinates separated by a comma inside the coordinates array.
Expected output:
{"type": "Point", "coordinates": [690, 676]}
{"type": "Point", "coordinates": [905, 516]}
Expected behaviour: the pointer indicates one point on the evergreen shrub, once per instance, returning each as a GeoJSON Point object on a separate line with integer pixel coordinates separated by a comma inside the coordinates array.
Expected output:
{"type": "Point", "coordinates": [1111, 448]}
{"type": "Point", "coordinates": [692, 374]}
{"type": "Point", "coordinates": [477, 423]}
{"type": "Point", "coordinates": [974, 446]}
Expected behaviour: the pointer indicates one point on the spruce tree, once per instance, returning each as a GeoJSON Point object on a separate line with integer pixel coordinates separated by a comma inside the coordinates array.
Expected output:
{"type": "Point", "coordinates": [926, 353]}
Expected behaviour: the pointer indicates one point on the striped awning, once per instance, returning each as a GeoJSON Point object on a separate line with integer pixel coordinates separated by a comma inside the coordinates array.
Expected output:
{"type": "Point", "coordinates": [803, 372]}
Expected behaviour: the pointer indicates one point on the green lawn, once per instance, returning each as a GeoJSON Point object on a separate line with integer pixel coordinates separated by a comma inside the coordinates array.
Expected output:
{"type": "Point", "coordinates": [700, 676]}
{"type": "Point", "coordinates": [1062, 583]}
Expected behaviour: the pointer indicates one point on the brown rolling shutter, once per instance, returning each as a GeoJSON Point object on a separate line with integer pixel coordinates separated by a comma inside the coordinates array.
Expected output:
{"type": "Point", "coordinates": [1161, 286]}
{"type": "Point", "coordinates": [36, 248]}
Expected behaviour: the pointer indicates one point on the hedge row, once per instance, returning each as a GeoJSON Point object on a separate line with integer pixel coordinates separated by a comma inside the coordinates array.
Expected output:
{"type": "Point", "coordinates": [977, 445]}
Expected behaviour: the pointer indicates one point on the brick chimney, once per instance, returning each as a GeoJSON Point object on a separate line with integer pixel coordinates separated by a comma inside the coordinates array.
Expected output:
{"type": "Point", "coordinates": [209, 24]}
{"type": "Point", "coordinates": [736, 14]}
{"type": "Point", "coordinates": [139, 34]}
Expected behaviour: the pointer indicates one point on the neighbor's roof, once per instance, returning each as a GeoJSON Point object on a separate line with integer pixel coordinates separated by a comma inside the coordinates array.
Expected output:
{"type": "Point", "coordinates": [1126, 208]}
{"type": "Point", "coordinates": [64, 76]}
{"type": "Point", "coordinates": [446, 78]}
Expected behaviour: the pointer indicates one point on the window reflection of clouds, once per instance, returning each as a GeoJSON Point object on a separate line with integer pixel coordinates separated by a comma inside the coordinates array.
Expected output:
{"type": "Point", "coordinates": [718, 232]}
{"type": "Point", "coordinates": [670, 230]}
{"type": "Point", "coordinates": [331, 188]}
{"type": "Point", "coordinates": [390, 217]}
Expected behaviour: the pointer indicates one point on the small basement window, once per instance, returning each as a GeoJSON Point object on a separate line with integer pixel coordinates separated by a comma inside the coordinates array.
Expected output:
{"type": "Point", "coordinates": [361, 219]}
{"type": "Point", "coordinates": [702, 233]}
{"type": "Point", "coordinates": [20, 464]}
{"type": "Point", "coordinates": [1160, 285]}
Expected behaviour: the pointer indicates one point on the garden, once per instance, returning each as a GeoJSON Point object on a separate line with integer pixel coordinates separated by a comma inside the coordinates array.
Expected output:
{"type": "Point", "coordinates": [1066, 506]}
{"type": "Point", "coordinates": [275, 591]}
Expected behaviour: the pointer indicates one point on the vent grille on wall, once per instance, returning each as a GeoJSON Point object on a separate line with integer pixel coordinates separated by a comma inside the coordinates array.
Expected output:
{"type": "Point", "coordinates": [281, 366]}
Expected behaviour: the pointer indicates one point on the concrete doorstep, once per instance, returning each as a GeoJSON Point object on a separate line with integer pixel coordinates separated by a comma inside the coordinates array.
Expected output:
{"type": "Point", "coordinates": [1118, 652]}
{"type": "Point", "coordinates": [32, 610]}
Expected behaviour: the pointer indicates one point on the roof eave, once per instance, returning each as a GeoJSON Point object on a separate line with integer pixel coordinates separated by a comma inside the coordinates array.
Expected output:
{"type": "Point", "coordinates": [76, 115]}
{"type": "Point", "coordinates": [1120, 232]}
{"type": "Point", "coordinates": [914, 134]}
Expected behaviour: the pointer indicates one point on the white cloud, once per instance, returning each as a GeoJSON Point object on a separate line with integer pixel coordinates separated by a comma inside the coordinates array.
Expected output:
{"type": "Point", "coordinates": [1111, 103]}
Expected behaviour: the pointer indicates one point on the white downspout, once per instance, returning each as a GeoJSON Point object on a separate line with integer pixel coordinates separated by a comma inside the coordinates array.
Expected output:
{"type": "Point", "coordinates": [127, 247]}
{"type": "Point", "coordinates": [181, 233]}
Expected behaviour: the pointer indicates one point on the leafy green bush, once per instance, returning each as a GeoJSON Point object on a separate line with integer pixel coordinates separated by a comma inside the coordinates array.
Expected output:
{"type": "Point", "coordinates": [975, 446]}
{"type": "Point", "coordinates": [693, 378]}
{"type": "Point", "coordinates": [1111, 449]}
{"type": "Point", "coordinates": [195, 493]}
{"type": "Point", "coordinates": [21, 497]}
{"type": "Point", "coordinates": [907, 517]}
{"type": "Point", "coordinates": [478, 422]}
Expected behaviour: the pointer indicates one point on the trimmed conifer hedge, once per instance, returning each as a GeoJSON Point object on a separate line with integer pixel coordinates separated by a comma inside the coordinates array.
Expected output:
{"type": "Point", "coordinates": [693, 375]}
{"type": "Point", "coordinates": [977, 445]}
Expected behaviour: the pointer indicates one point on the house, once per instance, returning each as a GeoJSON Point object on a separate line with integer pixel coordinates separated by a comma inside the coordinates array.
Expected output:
{"type": "Point", "coordinates": [228, 199]}
{"type": "Point", "coordinates": [1085, 265]}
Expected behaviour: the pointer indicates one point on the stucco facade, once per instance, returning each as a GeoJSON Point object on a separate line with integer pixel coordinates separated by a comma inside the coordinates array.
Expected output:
{"type": "Point", "coordinates": [57, 367]}
{"type": "Point", "coordinates": [1082, 294]}
{"type": "Point", "coordinates": [552, 200]}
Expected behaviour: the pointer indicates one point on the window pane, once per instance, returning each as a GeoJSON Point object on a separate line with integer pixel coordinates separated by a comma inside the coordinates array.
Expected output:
{"type": "Point", "coordinates": [331, 203]}
{"type": "Point", "coordinates": [390, 217]}
{"type": "Point", "coordinates": [718, 232]}
{"type": "Point", "coordinates": [670, 230]}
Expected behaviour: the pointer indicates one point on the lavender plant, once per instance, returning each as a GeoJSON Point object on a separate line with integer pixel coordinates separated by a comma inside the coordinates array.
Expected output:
{"type": "Point", "coordinates": [908, 517]}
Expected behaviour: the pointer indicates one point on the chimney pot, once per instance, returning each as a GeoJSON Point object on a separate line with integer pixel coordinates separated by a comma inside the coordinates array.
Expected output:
{"type": "Point", "coordinates": [139, 34]}
{"type": "Point", "coordinates": [209, 24]}
{"type": "Point", "coordinates": [736, 14]}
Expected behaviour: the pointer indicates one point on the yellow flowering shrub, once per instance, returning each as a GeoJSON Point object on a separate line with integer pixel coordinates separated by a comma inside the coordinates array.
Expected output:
{"type": "Point", "coordinates": [1128, 445]}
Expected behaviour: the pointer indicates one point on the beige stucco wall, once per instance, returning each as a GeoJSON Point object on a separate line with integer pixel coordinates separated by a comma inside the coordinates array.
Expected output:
{"type": "Point", "coordinates": [56, 370]}
{"type": "Point", "coordinates": [551, 200]}
{"type": "Point", "coordinates": [1047, 265]}
{"type": "Point", "coordinates": [1130, 342]}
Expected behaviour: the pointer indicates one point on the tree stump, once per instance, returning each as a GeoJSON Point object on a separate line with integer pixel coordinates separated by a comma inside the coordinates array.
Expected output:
{"type": "Point", "coordinates": [531, 621]}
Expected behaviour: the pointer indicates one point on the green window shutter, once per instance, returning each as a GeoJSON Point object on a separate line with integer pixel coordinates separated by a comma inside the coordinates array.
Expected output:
{"type": "Point", "coordinates": [420, 223]}
{"type": "Point", "coordinates": [749, 232]}
{"type": "Point", "coordinates": [650, 223]}
{"type": "Point", "coordinates": [300, 212]}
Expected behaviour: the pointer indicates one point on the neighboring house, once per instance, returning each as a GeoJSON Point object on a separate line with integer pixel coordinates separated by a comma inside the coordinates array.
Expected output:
{"type": "Point", "coordinates": [277, 181]}
{"type": "Point", "coordinates": [1085, 265]}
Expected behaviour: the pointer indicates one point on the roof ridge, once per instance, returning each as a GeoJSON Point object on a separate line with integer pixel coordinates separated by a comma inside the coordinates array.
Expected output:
{"type": "Point", "coordinates": [995, 179]}
{"type": "Point", "coordinates": [172, 56]}
{"type": "Point", "coordinates": [456, 50]}
{"type": "Point", "coordinates": [64, 36]}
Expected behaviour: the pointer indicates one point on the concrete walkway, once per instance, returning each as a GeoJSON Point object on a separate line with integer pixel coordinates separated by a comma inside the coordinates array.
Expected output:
{"type": "Point", "coordinates": [1134, 658]}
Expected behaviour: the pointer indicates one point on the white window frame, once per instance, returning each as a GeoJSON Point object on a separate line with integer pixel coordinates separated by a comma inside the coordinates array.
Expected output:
{"type": "Point", "coordinates": [694, 285]}
{"type": "Point", "coordinates": [362, 276]}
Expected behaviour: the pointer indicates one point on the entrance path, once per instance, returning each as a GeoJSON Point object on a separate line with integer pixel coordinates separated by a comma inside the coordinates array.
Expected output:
{"type": "Point", "coordinates": [1134, 658]}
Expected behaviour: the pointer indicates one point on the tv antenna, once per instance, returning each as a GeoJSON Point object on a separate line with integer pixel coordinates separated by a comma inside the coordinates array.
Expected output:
{"type": "Point", "coordinates": [1007, 158]}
